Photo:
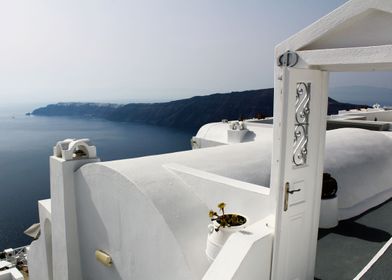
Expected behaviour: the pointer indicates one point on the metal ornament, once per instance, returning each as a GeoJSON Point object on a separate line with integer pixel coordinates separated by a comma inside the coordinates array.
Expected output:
{"type": "Point", "coordinates": [288, 59]}
{"type": "Point", "coordinates": [302, 111]}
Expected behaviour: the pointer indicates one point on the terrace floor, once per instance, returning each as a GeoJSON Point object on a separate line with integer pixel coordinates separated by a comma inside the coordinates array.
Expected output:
{"type": "Point", "coordinates": [342, 252]}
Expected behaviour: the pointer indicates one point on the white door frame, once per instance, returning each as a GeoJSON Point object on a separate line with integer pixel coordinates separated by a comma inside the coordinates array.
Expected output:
{"type": "Point", "coordinates": [297, 214]}
{"type": "Point", "coordinates": [348, 59]}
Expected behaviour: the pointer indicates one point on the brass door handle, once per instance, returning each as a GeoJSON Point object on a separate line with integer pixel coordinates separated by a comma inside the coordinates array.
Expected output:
{"type": "Point", "coordinates": [286, 196]}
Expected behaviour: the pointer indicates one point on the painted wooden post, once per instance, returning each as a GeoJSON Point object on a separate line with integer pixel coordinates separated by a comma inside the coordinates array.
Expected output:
{"type": "Point", "coordinates": [300, 108]}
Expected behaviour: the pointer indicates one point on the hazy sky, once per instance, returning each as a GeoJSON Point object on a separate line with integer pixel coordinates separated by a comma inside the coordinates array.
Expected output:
{"type": "Point", "coordinates": [143, 50]}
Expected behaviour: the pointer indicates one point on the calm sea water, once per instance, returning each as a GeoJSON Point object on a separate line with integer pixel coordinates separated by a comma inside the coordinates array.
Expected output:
{"type": "Point", "coordinates": [26, 144]}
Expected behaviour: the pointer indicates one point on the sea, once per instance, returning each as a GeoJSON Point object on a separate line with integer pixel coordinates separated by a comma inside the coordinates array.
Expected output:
{"type": "Point", "coordinates": [26, 142]}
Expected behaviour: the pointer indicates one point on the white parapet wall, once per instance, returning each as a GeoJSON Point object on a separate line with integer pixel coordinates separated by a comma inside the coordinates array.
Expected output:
{"type": "Point", "coordinates": [40, 259]}
{"type": "Point", "coordinates": [11, 274]}
{"type": "Point", "coordinates": [151, 212]}
{"type": "Point", "coordinates": [370, 114]}
{"type": "Point", "coordinates": [150, 215]}
{"type": "Point", "coordinates": [247, 254]}
{"type": "Point", "coordinates": [358, 159]}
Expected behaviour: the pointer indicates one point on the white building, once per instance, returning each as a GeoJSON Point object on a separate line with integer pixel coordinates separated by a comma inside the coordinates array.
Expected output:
{"type": "Point", "coordinates": [146, 218]}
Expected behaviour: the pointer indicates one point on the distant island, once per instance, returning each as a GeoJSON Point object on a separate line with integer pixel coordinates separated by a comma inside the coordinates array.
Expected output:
{"type": "Point", "coordinates": [190, 113]}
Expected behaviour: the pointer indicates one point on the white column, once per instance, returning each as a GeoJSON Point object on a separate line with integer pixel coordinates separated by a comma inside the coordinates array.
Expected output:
{"type": "Point", "coordinates": [300, 107]}
{"type": "Point", "coordinates": [65, 241]}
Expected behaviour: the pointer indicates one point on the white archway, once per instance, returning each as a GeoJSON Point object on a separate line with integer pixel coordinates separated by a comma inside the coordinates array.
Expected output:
{"type": "Point", "coordinates": [352, 38]}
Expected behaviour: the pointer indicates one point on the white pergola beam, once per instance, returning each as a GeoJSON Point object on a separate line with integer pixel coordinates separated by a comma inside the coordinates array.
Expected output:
{"type": "Point", "coordinates": [348, 59]}
{"type": "Point", "coordinates": [330, 22]}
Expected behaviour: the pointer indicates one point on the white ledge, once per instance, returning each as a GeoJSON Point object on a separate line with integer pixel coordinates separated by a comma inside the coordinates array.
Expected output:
{"type": "Point", "coordinates": [355, 59]}
{"type": "Point", "coordinates": [219, 179]}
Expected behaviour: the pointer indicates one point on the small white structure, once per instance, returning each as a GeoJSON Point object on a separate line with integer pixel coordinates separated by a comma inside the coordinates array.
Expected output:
{"type": "Point", "coordinates": [222, 133]}
{"type": "Point", "coordinates": [11, 274]}
{"type": "Point", "coordinates": [370, 114]}
{"type": "Point", "coordinates": [56, 255]}
{"type": "Point", "coordinates": [149, 215]}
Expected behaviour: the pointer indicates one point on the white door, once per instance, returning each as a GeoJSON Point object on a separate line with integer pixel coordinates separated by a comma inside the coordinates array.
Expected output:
{"type": "Point", "coordinates": [299, 121]}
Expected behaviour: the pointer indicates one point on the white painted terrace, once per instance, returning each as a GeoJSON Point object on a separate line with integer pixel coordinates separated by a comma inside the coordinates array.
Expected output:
{"type": "Point", "coordinates": [146, 218]}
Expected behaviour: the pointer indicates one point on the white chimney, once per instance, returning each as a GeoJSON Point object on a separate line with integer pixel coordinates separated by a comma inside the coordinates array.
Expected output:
{"type": "Point", "coordinates": [68, 156]}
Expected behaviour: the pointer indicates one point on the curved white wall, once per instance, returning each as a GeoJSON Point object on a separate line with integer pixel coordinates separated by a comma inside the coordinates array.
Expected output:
{"type": "Point", "coordinates": [154, 224]}
{"type": "Point", "coordinates": [116, 217]}
{"type": "Point", "coordinates": [142, 209]}
{"type": "Point", "coordinates": [359, 159]}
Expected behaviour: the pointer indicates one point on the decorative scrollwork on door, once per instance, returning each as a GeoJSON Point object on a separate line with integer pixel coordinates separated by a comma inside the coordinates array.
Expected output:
{"type": "Point", "coordinates": [302, 110]}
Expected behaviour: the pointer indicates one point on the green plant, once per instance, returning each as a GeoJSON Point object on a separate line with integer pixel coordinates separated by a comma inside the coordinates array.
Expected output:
{"type": "Point", "coordinates": [225, 220]}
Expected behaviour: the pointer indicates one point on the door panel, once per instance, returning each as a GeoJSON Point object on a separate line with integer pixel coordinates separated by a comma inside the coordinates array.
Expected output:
{"type": "Point", "coordinates": [301, 136]}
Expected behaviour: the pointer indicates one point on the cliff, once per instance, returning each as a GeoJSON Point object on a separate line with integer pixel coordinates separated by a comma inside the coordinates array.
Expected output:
{"type": "Point", "coordinates": [185, 113]}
